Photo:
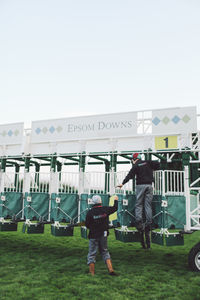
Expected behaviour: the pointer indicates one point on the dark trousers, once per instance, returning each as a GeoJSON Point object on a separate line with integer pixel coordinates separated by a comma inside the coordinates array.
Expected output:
{"type": "Point", "coordinates": [144, 196]}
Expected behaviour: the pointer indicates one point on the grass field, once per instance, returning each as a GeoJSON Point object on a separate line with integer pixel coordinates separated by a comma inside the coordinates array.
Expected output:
{"type": "Point", "coordinates": [47, 267]}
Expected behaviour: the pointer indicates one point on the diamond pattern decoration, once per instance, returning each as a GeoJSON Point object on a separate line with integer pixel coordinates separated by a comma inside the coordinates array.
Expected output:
{"type": "Point", "coordinates": [16, 132]}
{"type": "Point", "coordinates": [10, 133]}
{"type": "Point", "coordinates": [176, 119]}
{"type": "Point", "coordinates": [52, 129]}
{"type": "Point", "coordinates": [156, 121]}
{"type": "Point", "coordinates": [38, 130]}
{"type": "Point", "coordinates": [59, 129]}
{"type": "Point", "coordinates": [44, 130]}
{"type": "Point", "coordinates": [166, 120]}
{"type": "Point", "coordinates": [186, 119]}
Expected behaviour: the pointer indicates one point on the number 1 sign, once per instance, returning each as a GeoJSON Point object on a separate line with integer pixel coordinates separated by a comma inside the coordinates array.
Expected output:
{"type": "Point", "coordinates": [166, 142]}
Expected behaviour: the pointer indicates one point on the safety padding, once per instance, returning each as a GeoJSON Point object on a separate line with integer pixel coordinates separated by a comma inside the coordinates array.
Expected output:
{"type": "Point", "coordinates": [157, 212]}
{"type": "Point", "coordinates": [174, 239]}
{"type": "Point", "coordinates": [126, 210]}
{"type": "Point", "coordinates": [127, 236]}
{"type": "Point", "coordinates": [174, 214]}
{"type": "Point", "coordinates": [11, 205]}
{"type": "Point", "coordinates": [84, 232]}
{"type": "Point", "coordinates": [169, 212]}
{"type": "Point", "coordinates": [36, 206]}
{"type": "Point", "coordinates": [157, 238]}
{"type": "Point", "coordinates": [61, 230]}
{"type": "Point", "coordinates": [64, 207]}
{"type": "Point", "coordinates": [86, 204]}
{"type": "Point", "coordinates": [8, 226]}
{"type": "Point", "coordinates": [33, 228]}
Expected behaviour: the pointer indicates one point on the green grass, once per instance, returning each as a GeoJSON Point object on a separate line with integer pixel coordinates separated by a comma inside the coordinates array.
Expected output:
{"type": "Point", "coordinates": [47, 267]}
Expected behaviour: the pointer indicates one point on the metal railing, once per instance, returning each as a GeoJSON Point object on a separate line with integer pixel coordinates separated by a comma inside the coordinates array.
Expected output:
{"type": "Point", "coordinates": [165, 182]}
{"type": "Point", "coordinates": [173, 183]}
{"type": "Point", "coordinates": [68, 182]}
{"type": "Point", "coordinates": [97, 182]}
{"type": "Point", "coordinates": [13, 182]}
{"type": "Point", "coordinates": [39, 182]}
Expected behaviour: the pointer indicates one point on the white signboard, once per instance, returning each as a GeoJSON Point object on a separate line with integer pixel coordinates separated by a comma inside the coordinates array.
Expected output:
{"type": "Point", "coordinates": [90, 127]}
{"type": "Point", "coordinates": [11, 134]}
{"type": "Point", "coordinates": [174, 121]}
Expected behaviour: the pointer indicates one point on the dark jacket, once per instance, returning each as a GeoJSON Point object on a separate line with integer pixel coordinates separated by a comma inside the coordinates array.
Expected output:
{"type": "Point", "coordinates": [143, 170]}
{"type": "Point", "coordinates": [97, 219]}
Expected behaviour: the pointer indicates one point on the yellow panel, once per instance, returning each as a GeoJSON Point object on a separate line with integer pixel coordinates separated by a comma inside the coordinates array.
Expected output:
{"type": "Point", "coordinates": [114, 215]}
{"type": "Point", "coordinates": [166, 142]}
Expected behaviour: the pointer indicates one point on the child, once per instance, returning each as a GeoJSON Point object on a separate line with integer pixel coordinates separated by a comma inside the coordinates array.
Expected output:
{"type": "Point", "coordinates": [97, 221]}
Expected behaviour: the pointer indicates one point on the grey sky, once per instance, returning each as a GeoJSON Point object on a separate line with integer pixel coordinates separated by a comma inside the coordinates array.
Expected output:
{"type": "Point", "coordinates": [67, 58]}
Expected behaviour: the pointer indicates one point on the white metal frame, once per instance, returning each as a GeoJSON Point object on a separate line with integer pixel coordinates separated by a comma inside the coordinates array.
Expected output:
{"type": "Point", "coordinates": [193, 216]}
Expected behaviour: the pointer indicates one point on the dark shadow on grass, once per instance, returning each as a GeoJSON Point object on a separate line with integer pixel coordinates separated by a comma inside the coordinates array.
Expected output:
{"type": "Point", "coordinates": [51, 247]}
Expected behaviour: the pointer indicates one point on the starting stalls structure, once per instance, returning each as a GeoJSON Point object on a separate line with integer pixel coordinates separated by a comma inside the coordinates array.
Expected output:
{"type": "Point", "coordinates": [50, 172]}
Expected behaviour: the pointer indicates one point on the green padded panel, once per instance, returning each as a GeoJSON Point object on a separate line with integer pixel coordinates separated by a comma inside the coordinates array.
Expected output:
{"type": "Point", "coordinates": [12, 205]}
{"type": "Point", "coordinates": [157, 211]}
{"type": "Point", "coordinates": [128, 218]}
{"type": "Point", "coordinates": [175, 216]}
{"type": "Point", "coordinates": [40, 203]}
{"type": "Point", "coordinates": [126, 214]}
{"type": "Point", "coordinates": [68, 204]}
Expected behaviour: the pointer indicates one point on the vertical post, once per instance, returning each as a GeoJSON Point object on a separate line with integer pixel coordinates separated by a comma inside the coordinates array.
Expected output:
{"type": "Point", "coordinates": [147, 156]}
{"type": "Point", "coordinates": [113, 167]}
{"type": "Point", "coordinates": [26, 185]}
{"type": "Point", "coordinates": [53, 184]}
{"type": "Point", "coordinates": [163, 183]}
{"type": "Point", "coordinates": [107, 177]}
{"type": "Point", "coordinates": [187, 198]}
{"type": "Point", "coordinates": [164, 202]}
{"type": "Point", "coordinates": [81, 185]}
{"type": "Point", "coordinates": [59, 169]}
{"type": "Point", "coordinates": [37, 174]}
{"type": "Point", "coordinates": [16, 183]}
{"type": "Point", "coordinates": [2, 174]}
{"type": "Point", "coordinates": [81, 174]}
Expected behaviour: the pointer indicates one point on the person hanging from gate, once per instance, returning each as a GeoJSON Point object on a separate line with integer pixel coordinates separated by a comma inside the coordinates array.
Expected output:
{"type": "Point", "coordinates": [97, 221]}
{"type": "Point", "coordinates": [143, 171]}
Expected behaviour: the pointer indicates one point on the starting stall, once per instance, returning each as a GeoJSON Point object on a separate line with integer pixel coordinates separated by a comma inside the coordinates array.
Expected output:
{"type": "Point", "coordinates": [50, 172]}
